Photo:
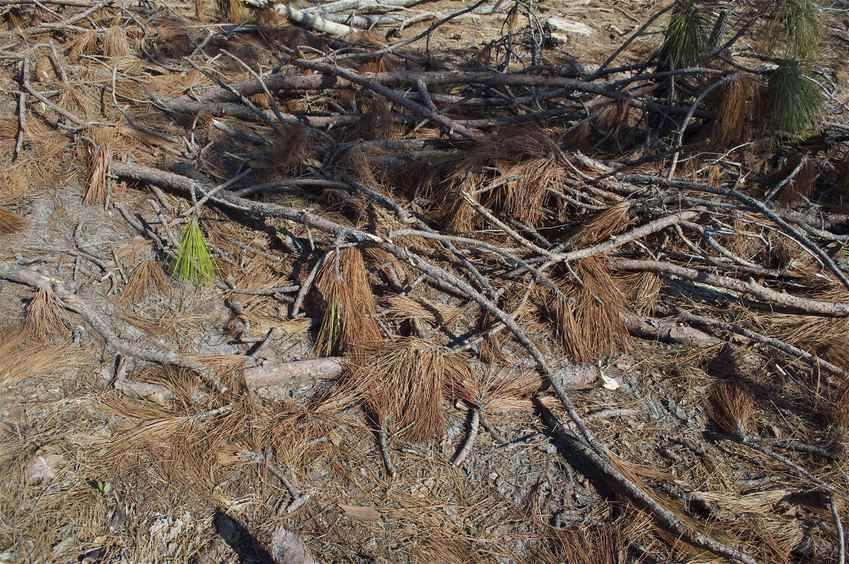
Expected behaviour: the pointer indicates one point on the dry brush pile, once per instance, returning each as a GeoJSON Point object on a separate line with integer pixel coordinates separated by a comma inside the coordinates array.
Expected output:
{"type": "Point", "coordinates": [473, 227]}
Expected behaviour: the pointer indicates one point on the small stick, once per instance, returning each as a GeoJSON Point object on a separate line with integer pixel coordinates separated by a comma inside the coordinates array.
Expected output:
{"type": "Point", "coordinates": [279, 472]}
{"type": "Point", "coordinates": [838, 525]}
{"type": "Point", "coordinates": [383, 443]}
{"type": "Point", "coordinates": [22, 114]}
{"type": "Point", "coordinates": [496, 436]}
{"type": "Point", "coordinates": [474, 422]}
{"type": "Point", "coordinates": [305, 287]}
{"type": "Point", "coordinates": [755, 444]}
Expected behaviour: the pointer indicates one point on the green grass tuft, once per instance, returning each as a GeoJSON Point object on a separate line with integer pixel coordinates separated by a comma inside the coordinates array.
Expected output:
{"type": "Point", "coordinates": [793, 103]}
{"type": "Point", "coordinates": [687, 35]}
{"type": "Point", "coordinates": [194, 263]}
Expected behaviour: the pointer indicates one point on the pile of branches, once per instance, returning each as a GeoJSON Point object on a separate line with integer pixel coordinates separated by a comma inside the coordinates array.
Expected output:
{"type": "Point", "coordinates": [520, 209]}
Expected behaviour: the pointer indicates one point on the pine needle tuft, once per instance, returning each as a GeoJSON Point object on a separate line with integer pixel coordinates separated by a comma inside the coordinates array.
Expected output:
{"type": "Point", "coordinates": [10, 222]}
{"type": "Point", "coordinates": [44, 318]}
{"type": "Point", "coordinates": [687, 35]}
{"type": "Point", "coordinates": [350, 311]}
{"type": "Point", "coordinates": [403, 382]}
{"type": "Point", "coordinates": [793, 102]}
{"type": "Point", "coordinates": [731, 408]}
{"type": "Point", "coordinates": [147, 276]}
{"type": "Point", "coordinates": [194, 263]}
{"type": "Point", "coordinates": [797, 23]}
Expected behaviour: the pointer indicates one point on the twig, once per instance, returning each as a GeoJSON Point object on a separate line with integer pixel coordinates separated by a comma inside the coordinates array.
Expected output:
{"type": "Point", "coordinates": [768, 295]}
{"type": "Point", "coordinates": [663, 515]}
{"type": "Point", "coordinates": [474, 422]}
{"type": "Point", "coordinates": [22, 114]}
{"type": "Point", "coordinates": [442, 276]}
{"type": "Point", "coordinates": [72, 302]}
{"type": "Point", "coordinates": [838, 527]}
{"type": "Point", "coordinates": [757, 205]}
{"type": "Point", "coordinates": [305, 287]}
{"type": "Point", "coordinates": [787, 348]}
{"type": "Point", "coordinates": [383, 443]}
{"type": "Point", "coordinates": [449, 124]}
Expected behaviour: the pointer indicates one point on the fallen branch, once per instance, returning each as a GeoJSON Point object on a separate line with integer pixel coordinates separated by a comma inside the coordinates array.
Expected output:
{"type": "Point", "coordinates": [15, 273]}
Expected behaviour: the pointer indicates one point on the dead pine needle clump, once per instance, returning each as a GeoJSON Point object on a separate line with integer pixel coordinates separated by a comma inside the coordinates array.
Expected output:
{"type": "Point", "coordinates": [404, 381]}
{"type": "Point", "coordinates": [595, 544]}
{"type": "Point", "coordinates": [44, 316]}
{"type": "Point", "coordinates": [11, 222]}
{"type": "Point", "coordinates": [146, 277]}
{"type": "Point", "coordinates": [602, 226]}
{"type": "Point", "coordinates": [23, 357]}
{"type": "Point", "coordinates": [97, 191]}
{"type": "Point", "coordinates": [349, 316]}
{"type": "Point", "coordinates": [731, 408]}
{"type": "Point", "coordinates": [587, 313]}
{"type": "Point", "coordinates": [734, 107]}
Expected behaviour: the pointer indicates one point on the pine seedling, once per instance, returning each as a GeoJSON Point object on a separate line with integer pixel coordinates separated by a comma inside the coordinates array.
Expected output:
{"type": "Point", "coordinates": [687, 35]}
{"type": "Point", "coordinates": [798, 24]}
{"type": "Point", "coordinates": [194, 263]}
{"type": "Point", "coordinates": [794, 103]}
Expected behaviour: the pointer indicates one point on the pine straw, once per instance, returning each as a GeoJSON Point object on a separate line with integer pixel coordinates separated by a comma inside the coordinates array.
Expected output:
{"type": "Point", "coordinates": [769, 538]}
{"type": "Point", "coordinates": [11, 222]}
{"type": "Point", "coordinates": [500, 390]}
{"type": "Point", "coordinates": [81, 43]}
{"type": "Point", "coordinates": [115, 42]}
{"type": "Point", "coordinates": [22, 357]}
{"type": "Point", "coordinates": [588, 315]}
{"type": "Point", "coordinates": [146, 277]}
{"type": "Point", "coordinates": [733, 108]}
{"type": "Point", "coordinates": [602, 226]}
{"type": "Point", "coordinates": [643, 290]}
{"type": "Point", "coordinates": [42, 165]}
{"type": "Point", "coordinates": [457, 215]}
{"type": "Point", "coordinates": [44, 316]}
{"type": "Point", "coordinates": [13, 186]}
{"type": "Point", "coordinates": [405, 308]}
{"type": "Point", "coordinates": [97, 190]}
{"type": "Point", "coordinates": [403, 382]}
{"type": "Point", "coordinates": [350, 312]}
{"type": "Point", "coordinates": [825, 337]}
{"type": "Point", "coordinates": [525, 199]}
{"type": "Point", "coordinates": [603, 543]}
{"type": "Point", "coordinates": [262, 312]}
{"type": "Point", "coordinates": [528, 169]}
{"type": "Point", "coordinates": [731, 408]}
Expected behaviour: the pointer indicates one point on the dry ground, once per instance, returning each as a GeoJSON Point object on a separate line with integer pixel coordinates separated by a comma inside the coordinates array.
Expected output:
{"type": "Point", "coordinates": [94, 476]}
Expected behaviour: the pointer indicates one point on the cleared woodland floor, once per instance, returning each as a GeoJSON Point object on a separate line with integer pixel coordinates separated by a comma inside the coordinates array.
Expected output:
{"type": "Point", "coordinates": [91, 474]}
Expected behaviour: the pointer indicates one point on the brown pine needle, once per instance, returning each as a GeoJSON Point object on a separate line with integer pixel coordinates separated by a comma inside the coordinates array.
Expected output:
{"type": "Point", "coordinates": [731, 408]}
{"type": "Point", "coordinates": [350, 312]}
{"type": "Point", "coordinates": [403, 382]}
{"type": "Point", "coordinates": [145, 278]}
{"type": "Point", "coordinates": [97, 192]}
{"type": "Point", "coordinates": [11, 222]}
{"type": "Point", "coordinates": [44, 316]}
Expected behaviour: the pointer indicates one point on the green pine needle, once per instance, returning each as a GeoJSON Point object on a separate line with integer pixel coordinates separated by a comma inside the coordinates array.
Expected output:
{"type": "Point", "coordinates": [794, 103]}
{"type": "Point", "coordinates": [687, 35]}
{"type": "Point", "coordinates": [800, 25]}
{"type": "Point", "coordinates": [194, 263]}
